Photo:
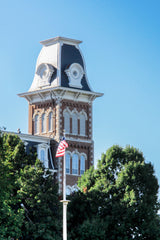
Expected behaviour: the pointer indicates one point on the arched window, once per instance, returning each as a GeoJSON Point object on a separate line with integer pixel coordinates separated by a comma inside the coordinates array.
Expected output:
{"type": "Point", "coordinates": [43, 128]}
{"type": "Point", "coordinates": [68, 158]}
{"type": "Point", "coordinates": [82, 124]}
{"type": "Point", "coordinates": [50, 122]}
{"type": "Point", "coordinates": [74, 123]}
{"type": "Point", "coordinates": [36, 123]}
{"type": "Point", "coordinates": [75, 164]}
{"type": "Point", "coordinates": [82, 164]}
{"type": "Point", "coordinates": [66, 121]}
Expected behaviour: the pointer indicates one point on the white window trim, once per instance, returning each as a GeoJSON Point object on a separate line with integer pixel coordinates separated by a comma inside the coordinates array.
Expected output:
{"type": "Point", "coordinates": [83, 113]}
{"type": "Point", "coordinates": [43, 130]}
{"type": "Point", "coordinates": [75, 112]}
{"type": "Point", "coordinates": [66, 110]}
{"type": "Point", "coordinates": [72, 189]}
{"type": "Point", "coordinates": [36, 132]}
{"type": "Point", "coordinates": [48, 116]}
{"type": "Point", "coordinates": [34, 115]}
{"type": "Point", "coordinates": [44, 147]}
{"type": "Point", "coordinates": [75, 152]}
{"type": "Point", "coordinates": [50, 110]}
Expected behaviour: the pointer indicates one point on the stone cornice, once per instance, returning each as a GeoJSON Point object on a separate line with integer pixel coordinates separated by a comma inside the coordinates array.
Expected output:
{"type": "Point", "coordinates": [59, 93]}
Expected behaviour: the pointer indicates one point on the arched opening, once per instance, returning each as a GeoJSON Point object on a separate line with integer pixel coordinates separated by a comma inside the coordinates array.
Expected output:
{"type": "Point", "coordinates": [50, 125]}
{"type": "Point", "coordinates": [74, 123]}
{"type": "Point", "coordinates": [75, 164]}
{"type": "Point", "coordinates": [36, 123]}
{"type": "Point", "coordinates": [66, 121]}
{"type": "Point", "coordinates": [43, 126]}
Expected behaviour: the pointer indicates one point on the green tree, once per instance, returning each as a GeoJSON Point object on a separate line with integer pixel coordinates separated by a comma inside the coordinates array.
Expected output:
{"type": "Point", "coordinates": [11, 216]}
{"type": "Point", "coordinates": [121, 195]}
{"type": "Point", "coordinates": [29, 204]}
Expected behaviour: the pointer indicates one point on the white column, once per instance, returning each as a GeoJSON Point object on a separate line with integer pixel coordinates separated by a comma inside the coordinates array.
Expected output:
{"type": "Point", "coordinates": [65, 219]}
{"type": "Point", "coordinates": [65, 202]}
{"type": "Point", "coordinates": [64, 178]}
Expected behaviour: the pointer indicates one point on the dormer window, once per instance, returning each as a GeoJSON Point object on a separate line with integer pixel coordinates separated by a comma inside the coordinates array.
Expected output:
{"type": "Point", "coordinates": [75, 74]}
{"type": "Point", "coordinates": [44, 74]}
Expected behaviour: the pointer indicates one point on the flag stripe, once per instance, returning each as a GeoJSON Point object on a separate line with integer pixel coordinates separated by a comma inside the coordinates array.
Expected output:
{"type": "Point", "coordinates": [61, 148]}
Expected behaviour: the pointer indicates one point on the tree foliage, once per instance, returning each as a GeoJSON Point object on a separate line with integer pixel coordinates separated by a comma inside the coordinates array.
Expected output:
{"type": "Point", "coordinates": [29, 204]}
{"type": "Point", "coordinates": [120, 197]}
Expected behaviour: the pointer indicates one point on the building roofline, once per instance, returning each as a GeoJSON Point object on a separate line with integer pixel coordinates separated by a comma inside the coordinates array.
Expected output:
{"type": "Point", "coordinates": [30, 137]}
{"type": "Point", "coordinates": [66, 89]}
{"type": "Point", "coordinates": [58, 39]}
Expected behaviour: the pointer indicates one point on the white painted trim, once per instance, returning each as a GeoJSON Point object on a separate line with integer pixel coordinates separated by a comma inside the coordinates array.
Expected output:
{"type": "Point", "coordinates": [67, 110]}
{"type": "Point", "coordinates": [36, 112]}
{"type": "Point", "coordinates": [75, 152]}
{"type": "Point", "coordinates": [41, 113]}
{"type": "Point", "coordinates": [60, 92]}
{"type": "Point", "coordinates": [83, 154]}
{"type": "Point", "coordinates": [75, 80]}
{"type": "Point", "coordinates": [49, 111]}
{"type": "Point", "coordinates": [76, 112]}
{"type": "Point", "coordinates": [83, 113]}
{"type": "Point", "coordinates": [57, 39]}
{"type": "Point", "coordinates": [43, 146]}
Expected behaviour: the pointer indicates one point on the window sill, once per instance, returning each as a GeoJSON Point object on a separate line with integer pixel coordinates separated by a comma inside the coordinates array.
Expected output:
{"type": "Point", "coordinates": [74, 134]}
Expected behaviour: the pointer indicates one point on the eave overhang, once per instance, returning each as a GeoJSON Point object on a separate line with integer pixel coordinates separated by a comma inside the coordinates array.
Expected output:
{"type": "Point", "coordinates": [60, 93]}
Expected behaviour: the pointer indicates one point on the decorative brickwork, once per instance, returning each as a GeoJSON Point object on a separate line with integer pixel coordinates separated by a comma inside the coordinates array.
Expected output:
{"type": "Point", "coordinates": [62, 99]}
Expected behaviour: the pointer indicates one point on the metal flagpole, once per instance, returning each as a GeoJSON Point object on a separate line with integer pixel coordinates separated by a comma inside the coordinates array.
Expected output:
{"type": "Point", "coordinates": [65, 202]}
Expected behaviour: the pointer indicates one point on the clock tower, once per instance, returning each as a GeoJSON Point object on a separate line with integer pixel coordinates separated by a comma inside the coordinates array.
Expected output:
{"type": "Point", "coordinates": [60, 98]}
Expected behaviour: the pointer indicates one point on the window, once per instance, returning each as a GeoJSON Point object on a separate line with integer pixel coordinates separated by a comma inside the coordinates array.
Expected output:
{"type": "Point", "coordinates": [68, 163]}
{"type": "Point", "coordinates": [43, 158]}
{"type": "Point", "coordinates": [42, 150]}
{"type": "Point", "coordinates": [68, 190]}
{"type": "Point", "coordinates": [36, 124]}
{"type": "Point", "coordinates": [50, 121]}
{"type": "Point", "coordinates": [82, 164]}
{"type": "Point", "coordinates": [43, 129]}
{"type": "Point", "coordinates": [74, 124]}
{"type": "Point", "coordinates": [42, 155]}
{"type": "Point", "coordinates": [82, 125]}
{"type": "Point", "coordinates": [66, 122]}
{"type": "Point", "coordinates": [75, 164]}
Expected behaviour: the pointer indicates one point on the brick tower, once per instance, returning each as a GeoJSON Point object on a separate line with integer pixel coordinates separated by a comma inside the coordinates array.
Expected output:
{"type": "Point", "coordinates": [60, 97]}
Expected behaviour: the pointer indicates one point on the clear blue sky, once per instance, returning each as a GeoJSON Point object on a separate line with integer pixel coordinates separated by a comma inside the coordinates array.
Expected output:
{"type": "Point", "coordinates": [121, 46]}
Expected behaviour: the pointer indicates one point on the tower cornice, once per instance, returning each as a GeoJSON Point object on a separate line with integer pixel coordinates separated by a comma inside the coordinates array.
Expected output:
{"type": "Point", "coordinates": [60, 93]}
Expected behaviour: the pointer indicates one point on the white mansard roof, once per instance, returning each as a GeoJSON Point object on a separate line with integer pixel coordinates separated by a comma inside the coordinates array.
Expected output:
{"type": "Point", "coordinates": [60, 69]}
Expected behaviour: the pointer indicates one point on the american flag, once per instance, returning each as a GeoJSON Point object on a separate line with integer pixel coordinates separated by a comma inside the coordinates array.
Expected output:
{"type": "Point", "coordinates": [61, 148]}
